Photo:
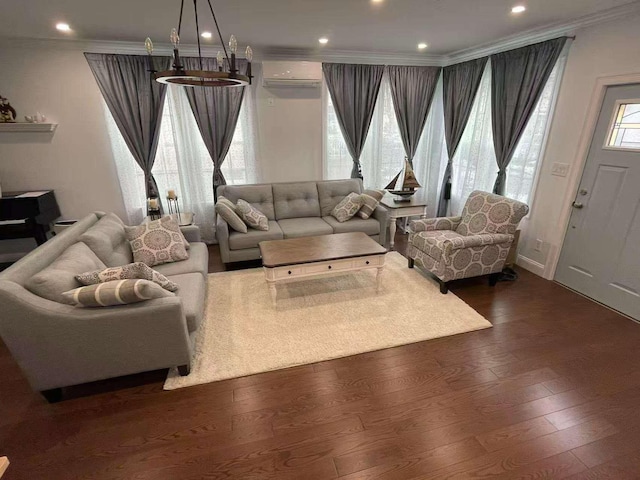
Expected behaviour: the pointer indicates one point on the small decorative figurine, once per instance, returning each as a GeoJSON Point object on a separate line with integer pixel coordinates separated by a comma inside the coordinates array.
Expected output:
{"type": "Point", "coordinates": [7, 112]}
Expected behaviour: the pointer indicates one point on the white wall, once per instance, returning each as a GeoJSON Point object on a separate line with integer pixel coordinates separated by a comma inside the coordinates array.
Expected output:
{"type": "Point", "coordinates": [602, 50]}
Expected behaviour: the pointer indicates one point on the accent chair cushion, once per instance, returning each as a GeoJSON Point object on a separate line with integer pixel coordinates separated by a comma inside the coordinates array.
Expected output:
{"type": "Point", "coordinates": [296, 200]}
{"type": "Point", "coordinates": [348, 207]}
{"type": "Point", "coordinates": [60, 276]}
{"type": "Point", "coordinates": [157, 242]}
{"type": "Point", "coordinates": [228, 211]}
{"type": "Point", "coordinates": [304, 227]}
{"type": "Point", "coordinates": [252, 216]}
{"type": "Point", "coordinates": [116, 292]}
{"type": "Point", "coordinates": [486, 212]}
{"type": "Point", "coordinates": [127, 272]}
{"type": "Point", "coordinates": [240, 241]}
{"type": "Point", "coordinates": [370, 200]}
{"type": "Point", "coordinates": [108, 241]}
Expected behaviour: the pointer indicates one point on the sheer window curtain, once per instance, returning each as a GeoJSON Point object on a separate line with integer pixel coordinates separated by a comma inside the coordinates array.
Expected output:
{"type": "Point", "coordinates": [183, 163]}
{"type": "Point", "coordinates": [475, 158]}
{"type": "Point", "coordinates": [383, 152]}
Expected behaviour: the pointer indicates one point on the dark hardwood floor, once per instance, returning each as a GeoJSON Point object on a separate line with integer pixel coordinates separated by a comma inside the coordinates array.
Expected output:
{"type": "Point", "coordinates": [551, 391]}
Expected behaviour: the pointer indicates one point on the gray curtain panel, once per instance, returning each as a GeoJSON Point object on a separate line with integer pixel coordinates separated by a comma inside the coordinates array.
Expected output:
{"type": "Point", "coordinates": [354, 91]}
{"type": "Point", "coordinates": [412, 90]}
{"type": "Point", "coordinates": [518, 79]}
{"type": "Point", "coordinates": [460, 84]}
{"type": "Point", "coordinates": [216, 110]}
{"type": "Point", "coordinates": [135, 100]}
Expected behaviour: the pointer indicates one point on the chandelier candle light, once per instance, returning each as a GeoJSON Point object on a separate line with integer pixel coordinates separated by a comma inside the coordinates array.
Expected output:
{"type": "Point", "coordinates": [204, 78]}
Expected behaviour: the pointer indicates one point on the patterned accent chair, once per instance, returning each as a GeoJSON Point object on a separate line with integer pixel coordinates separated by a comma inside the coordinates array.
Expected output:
{"type": "Point", "coordinates": [475, 243]}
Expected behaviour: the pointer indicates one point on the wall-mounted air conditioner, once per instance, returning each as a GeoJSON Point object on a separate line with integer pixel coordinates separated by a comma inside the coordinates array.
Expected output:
{"type": "Point", "coordinates": [291, 74]}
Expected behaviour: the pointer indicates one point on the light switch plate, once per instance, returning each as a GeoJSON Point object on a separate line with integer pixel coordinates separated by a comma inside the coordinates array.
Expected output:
{"type": "Point", "coordinates": [560, 169]}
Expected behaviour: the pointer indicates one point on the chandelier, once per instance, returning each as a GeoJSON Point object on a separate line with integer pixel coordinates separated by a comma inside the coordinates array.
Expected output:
{"type": "Point", "coordinates": [227, 74]}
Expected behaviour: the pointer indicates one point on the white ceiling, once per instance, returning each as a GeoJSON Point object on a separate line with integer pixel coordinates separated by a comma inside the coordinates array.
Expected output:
{"type": "Point", "coordinates": [392, 26]}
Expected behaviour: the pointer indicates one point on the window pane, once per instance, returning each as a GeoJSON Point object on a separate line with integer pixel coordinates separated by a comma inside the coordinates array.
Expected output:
{"type": "Point", "coordinates": [625, 128]}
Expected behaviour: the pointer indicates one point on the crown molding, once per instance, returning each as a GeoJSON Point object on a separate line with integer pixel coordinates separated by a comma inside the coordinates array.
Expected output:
{"type": "Point", "coordinates": [541, 34]}
{"type": "Point", "coordinates": [348, 56]}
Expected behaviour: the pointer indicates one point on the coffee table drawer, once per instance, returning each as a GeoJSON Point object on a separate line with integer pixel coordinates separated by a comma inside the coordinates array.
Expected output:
{"type": "Point", "coordinates": [373, 261]}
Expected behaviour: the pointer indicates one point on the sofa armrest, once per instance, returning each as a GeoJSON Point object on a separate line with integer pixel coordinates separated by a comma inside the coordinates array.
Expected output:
{"type": "Point", "coordinates": [191, 233]}
{"type": "Point", "coordinates": [382, 215]}
{"type": "Point", "coordinates": [431, 224]}
{"type": "Point", "coordinates": [58, 345]}
{"type": "Point", "coordinates": [222, 235]}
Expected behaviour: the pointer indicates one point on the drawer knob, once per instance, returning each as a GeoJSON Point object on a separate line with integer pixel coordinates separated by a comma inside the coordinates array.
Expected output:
{"type": "Point", "coordinates": [367, 262]}
{"type": "Point", "coordinates": [289, 272]}
{"type": "Point", "coordinates": [329, 267]}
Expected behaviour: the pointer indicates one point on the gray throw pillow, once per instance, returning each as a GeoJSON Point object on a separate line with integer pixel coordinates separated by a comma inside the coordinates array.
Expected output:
{"type": "Point", "coordinates": [370, 200]}
{"type": "Point", "coordinates": [157, 242]}
{"type": "Point", "coordinates": [227, 210]}
{"type": "Point", "coordinates": [108, 241]}
{"type": "Point", "coordinates": [127, 272]}
{"type": "Point", "coordinates": [116, 292]}
{"type": "Point", "coordinates": [347, 208]}
{"type": "Point", "coordinates": [52, 281]}
{"type": "Point", "coordinates": [252, 216]}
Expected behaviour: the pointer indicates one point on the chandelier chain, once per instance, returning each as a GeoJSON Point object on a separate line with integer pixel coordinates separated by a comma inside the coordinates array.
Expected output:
{"type": "Point", "coordinates": [180, 18]}
{"type": "Point", "coordinates": [215, 20]}
{"type": "Point", "coordinates": [195, 10]}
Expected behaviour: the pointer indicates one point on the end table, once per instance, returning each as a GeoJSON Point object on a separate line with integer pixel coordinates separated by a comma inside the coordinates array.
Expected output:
{"type": "Point", "coordinates": [417, 205]}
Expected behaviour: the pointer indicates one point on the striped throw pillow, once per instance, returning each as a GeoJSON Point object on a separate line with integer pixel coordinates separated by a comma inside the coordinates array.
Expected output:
{"type": "Point", "coordinates": [228, 211]}
{"type": "Point", "coordinates": [116, 292]}
{"type": "Point", "coordinates": [371, 199]}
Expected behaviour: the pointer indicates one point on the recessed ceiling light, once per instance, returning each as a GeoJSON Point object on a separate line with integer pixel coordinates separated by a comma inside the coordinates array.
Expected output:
{"type": "Point", "coordinates": [323, 40]}
{"type": "Point", "coordinates": [518, 9]}
{"type": "Point", "coordinates": [422, 46]}
{"type": "Point", "coordinates": [63, 27]}
{"type": "Point", "coordinates": [206, 35]}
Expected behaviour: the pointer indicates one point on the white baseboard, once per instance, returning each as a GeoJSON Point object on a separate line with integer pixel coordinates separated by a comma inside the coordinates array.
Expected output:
{"type": "Point", "coordinates": [531, 265]}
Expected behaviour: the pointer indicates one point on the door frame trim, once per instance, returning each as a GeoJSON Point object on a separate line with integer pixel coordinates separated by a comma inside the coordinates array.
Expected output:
{"type": "Point", "coordinates": [580, 160]}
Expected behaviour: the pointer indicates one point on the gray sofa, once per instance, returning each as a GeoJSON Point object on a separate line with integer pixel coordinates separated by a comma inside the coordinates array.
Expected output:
{"type": "Point", "coordinates": [297, 209]}
{"type": "Point", "coordinates": [58, 345]}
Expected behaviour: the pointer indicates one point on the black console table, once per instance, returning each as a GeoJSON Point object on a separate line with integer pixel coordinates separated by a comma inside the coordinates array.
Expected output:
{"type": "Point", "coordinates": [34, 211]}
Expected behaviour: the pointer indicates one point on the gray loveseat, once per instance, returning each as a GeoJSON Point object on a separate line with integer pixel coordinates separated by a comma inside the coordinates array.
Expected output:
{"type": "Point", "coordinates": [296, 209]}
{"type": "Point", "coordinates": [58, 345]}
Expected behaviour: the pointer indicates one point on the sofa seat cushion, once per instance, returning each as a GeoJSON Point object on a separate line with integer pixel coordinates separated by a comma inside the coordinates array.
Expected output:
{"type": "Point", "coordinates": [198, 262]}
{"type": "Point", "coordinates": [192, 289]}
{"type": "Point", "coordinates": [240, 241]}
{"type": "Point", "coordinates": [370, 226]}
{"type": "Point", "coordinates": [108, 241]}
{"type": "Point", "coordinates": [304, 227]}
{"type": "Point", "coordinates": [296, 200]}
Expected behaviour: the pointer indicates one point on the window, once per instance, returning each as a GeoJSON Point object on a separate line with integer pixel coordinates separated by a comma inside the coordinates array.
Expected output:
{"type": "Point", "coordinates": [383, 152]}
{"type": "Point", "coordinates": [624, 131]}
{"type": "Point", "coordinates": [183, 162]}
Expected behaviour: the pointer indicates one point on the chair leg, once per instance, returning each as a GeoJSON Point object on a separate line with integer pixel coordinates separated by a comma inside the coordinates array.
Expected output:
{"type": "Point", "coordinates": [493, 278]}
{"type": "Point", "coordinates": [443, 287]}
{"type": "Point", "coordinates": [184, 370]}
{"type": "Point", "coordinates": [52, 396]}
{"type": "Point", "coordinates": [411, 262]}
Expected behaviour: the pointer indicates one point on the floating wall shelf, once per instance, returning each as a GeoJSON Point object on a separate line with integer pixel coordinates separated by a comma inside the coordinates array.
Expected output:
{"type": "Point", "coordinates": [21, 127]}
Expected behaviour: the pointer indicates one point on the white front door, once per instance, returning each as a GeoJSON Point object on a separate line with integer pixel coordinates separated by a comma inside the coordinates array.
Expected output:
{"type": "Point", "coordinates": [601, 252]}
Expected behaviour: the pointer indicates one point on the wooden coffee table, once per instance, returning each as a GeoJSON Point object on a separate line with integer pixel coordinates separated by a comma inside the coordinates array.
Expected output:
{"type": "Point", "coordinates": [296, 258]}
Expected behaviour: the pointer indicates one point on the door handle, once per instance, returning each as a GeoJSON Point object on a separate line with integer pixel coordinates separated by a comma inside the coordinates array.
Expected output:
{"type": "Point", "coordinates": [577, 205]}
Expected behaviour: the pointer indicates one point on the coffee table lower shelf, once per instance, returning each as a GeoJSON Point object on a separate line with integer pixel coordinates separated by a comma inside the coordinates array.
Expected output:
{"type": "Point", "coordinates": [290, 273]}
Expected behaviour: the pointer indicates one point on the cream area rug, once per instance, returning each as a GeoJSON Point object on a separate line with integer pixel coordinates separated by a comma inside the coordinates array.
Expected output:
{"type": "Point", "coordinates": [317, 319]}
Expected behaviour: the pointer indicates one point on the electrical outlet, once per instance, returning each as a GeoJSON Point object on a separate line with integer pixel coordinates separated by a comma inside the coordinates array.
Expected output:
{"type": "Point", "coordinates": [538, 247]}
{"type": "Point", "coordinates": [560, 169]}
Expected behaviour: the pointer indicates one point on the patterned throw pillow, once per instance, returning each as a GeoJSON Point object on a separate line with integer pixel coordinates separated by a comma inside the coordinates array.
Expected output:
{"type": "Point", "coordinates": [227, 210]}
{"type": "Point", "coordinates": [126, 272]}
{"type": "Point", "coordinates": [252, 216]}
{"type": "Point", "coordinates": [157, 242]}
{"type": "Point", "coordinates": [348, 207]}
{"type": "Point", "coordinates": [370, 199]}
{"type": "Point", "coordinates": [116, 292]}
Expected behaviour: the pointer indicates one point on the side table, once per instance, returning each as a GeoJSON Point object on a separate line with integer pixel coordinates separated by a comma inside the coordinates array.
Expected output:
{"type": "Point", "coordinates": [417, 205]}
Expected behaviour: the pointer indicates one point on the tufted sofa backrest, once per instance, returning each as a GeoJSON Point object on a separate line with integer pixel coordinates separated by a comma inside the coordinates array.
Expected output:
{"type": "Point", "coordinates": [259, 195]}
{"type": "Point", "coordinates": [296, 200]}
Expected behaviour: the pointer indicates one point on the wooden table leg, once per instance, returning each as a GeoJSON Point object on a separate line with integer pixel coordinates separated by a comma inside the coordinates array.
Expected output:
{"type": "Point", "coordinates": [392, 232]}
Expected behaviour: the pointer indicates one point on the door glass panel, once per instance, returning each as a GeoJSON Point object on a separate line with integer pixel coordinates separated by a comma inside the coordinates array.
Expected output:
{"type": "Point", "coordinates": [625, 126]}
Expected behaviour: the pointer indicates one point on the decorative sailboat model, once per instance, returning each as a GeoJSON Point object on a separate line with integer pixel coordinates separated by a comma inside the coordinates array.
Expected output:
{"type": "Point", "coordinates": [404, 184]}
